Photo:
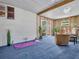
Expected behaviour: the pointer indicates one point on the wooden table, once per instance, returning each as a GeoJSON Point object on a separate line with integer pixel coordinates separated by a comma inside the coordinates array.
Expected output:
{"type": "Point", "coordinates": [62, 39]}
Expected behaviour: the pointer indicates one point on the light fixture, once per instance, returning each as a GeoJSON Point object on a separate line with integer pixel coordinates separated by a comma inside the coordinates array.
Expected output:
{"type": "Point", "coordinates": [67, 10]}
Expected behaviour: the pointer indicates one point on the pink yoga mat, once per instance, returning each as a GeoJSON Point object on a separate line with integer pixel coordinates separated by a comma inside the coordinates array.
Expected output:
{"type": "Point", "coordinates": [25, 44]}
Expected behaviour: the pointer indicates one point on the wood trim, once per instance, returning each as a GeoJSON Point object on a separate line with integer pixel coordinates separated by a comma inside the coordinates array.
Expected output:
{"type": "Point", "coordinates": [46, 17]}
{"type": "Point", "coordinates": [55, 6]}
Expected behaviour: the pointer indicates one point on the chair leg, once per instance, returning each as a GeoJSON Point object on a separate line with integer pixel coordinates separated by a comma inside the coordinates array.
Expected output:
{"type": "Point", "coordinates": [76, 40]}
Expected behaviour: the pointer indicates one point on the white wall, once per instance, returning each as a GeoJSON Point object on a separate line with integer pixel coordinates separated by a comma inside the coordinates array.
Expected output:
{"type": "Point", "coordinates": [23, 26]}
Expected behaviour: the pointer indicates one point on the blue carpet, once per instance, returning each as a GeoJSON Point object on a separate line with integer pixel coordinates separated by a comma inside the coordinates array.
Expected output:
{"type": "Point", "coordinates": [46, 49]}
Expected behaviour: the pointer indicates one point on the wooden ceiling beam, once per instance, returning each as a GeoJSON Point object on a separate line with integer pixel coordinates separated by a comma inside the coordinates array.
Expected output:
{"type": "Point", "coordinates": [55, 6]}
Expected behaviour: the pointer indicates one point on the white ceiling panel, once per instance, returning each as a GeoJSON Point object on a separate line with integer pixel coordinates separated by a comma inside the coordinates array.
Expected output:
{"type": "Point", "coordinates": [32, 5]}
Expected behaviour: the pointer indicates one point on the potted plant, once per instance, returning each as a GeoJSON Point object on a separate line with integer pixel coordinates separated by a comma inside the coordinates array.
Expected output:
{"type": "Point", "coordinates": [55, 30]}
{"type": "Point", "coordinates": [8, 38]}
{"type": "Point", "coordinates": [40, 32]}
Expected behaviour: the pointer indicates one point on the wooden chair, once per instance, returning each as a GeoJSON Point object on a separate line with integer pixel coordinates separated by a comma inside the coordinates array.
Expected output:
{"type": "Point", "coordinates": [74, 37]}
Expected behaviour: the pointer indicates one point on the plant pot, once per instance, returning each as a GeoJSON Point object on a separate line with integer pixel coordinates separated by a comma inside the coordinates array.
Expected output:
{"type": "Point", "coordinates": [8, 44]}
{"type": "Point", "coordinates": [40, 37]}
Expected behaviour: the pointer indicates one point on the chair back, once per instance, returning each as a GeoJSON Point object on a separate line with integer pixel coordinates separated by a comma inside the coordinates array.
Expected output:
{"type": "Point", "coordinates": [77, 31]}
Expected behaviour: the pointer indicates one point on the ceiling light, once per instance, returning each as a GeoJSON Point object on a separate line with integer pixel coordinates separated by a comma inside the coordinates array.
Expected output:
{"type": "Point", "coordinates": [67, 10]}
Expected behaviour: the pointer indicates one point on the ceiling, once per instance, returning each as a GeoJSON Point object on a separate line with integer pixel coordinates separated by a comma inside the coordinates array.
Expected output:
{"type": "Point", "coordinates": [70, 9]}
{"type": "Point", "coordinates": [32, 5]}
{"type": "Point", "coordinates": [37, 6]}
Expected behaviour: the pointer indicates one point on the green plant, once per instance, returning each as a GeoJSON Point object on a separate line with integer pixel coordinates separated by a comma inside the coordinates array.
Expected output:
{"type": "Point", "coordinates": [40, 32]}
{"type": "Point", "coordinates": [55, 30]}
{"type": "Point", "coordinates": [8, 38]}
